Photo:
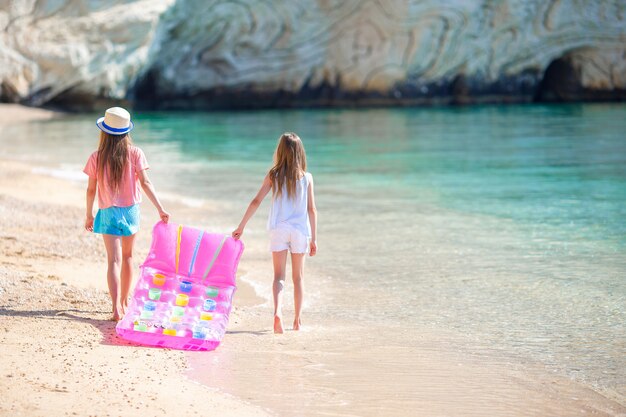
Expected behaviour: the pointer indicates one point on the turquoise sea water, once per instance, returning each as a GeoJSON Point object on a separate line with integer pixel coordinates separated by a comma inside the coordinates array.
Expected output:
{"type": "Point", "coordinates": [504, 224]}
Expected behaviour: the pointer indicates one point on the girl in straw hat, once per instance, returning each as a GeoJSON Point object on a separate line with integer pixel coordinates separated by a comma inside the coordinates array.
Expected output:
{"type": "Point", "coordinates": [117, 171]}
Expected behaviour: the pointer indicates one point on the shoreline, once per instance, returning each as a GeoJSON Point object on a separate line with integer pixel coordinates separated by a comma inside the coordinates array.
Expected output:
{"type": "Point", "coordinates": [335, 367]}
{"type": "Point", "coordinates": [231, 377]}
{"type": "Point", "coordinates": [17, 113]}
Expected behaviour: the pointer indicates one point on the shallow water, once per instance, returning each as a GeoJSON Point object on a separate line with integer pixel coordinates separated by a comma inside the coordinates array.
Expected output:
{"type": "Point", "coordinates": [504, 226]}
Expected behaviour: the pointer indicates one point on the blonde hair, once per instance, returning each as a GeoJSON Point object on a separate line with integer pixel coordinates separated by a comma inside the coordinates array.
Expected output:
{"type": "Point", "coordinates": [289, 164]}
{"type": "Point", "coordinates": [113, 153]}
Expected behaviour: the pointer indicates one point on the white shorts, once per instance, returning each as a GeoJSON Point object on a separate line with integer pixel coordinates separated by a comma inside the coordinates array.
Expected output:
{"type": "Point", "coordinates": [285, 237]}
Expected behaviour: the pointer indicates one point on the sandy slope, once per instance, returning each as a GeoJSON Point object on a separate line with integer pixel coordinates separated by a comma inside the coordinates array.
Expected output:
{"type": "Point", "coordinates": [14, 113]}
{"type": "Point", "coordinates": [60, 353]}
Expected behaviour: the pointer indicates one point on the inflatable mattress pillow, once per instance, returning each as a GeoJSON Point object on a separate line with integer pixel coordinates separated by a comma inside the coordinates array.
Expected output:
{"type": "Point", "coordinates": [183, 296]}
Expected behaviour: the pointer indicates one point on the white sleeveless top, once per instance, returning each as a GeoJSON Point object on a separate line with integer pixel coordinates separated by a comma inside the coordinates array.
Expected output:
{"type": "Point", "coordinates": [292, 212]}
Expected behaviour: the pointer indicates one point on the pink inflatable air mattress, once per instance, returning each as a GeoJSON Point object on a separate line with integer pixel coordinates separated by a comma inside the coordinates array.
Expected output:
{"type": "Point", "coordinates": [183, 297]}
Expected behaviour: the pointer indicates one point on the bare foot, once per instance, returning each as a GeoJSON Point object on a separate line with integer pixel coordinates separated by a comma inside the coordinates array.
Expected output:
{"type": "Point", "coordinates": [297, 323]}
{"type": "Point", "coordinates": [118, 313]}
{"type": "Point", "coordinates": [125, 305]}
{"type": "Point", "coordinates": [278, 324]}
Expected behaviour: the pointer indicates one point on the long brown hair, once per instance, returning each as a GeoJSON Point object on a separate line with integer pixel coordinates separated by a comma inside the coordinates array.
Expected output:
{"type": "Point", "coordinates": [289, 164]}
{"type": "Point", "coordinates": [113, 157]}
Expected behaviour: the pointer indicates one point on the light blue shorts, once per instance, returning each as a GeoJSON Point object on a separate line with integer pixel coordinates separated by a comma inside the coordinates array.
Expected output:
{"type": "Point", "coordinates": [119, 221]}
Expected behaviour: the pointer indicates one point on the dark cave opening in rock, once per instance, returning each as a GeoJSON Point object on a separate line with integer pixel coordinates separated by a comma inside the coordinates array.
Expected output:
{"type": "Point", "coordinates": [8, 93]}
{"type": "Point", "coordinates": [144, 92]}
{"type": "Point", "coordinates": [561, 82]}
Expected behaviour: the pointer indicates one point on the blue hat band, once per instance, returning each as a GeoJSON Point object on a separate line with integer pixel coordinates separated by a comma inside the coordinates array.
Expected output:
{"type": "Point", "coordinates": [112, 129]}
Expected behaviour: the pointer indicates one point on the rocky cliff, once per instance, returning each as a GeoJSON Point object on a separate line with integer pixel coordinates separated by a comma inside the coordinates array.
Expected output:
{"type": "Point", "coordinates": [250, 53]}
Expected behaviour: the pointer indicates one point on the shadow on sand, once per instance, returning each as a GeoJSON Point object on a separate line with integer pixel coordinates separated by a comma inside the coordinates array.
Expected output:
{"type": "Point", "coordinates": [106, 327]}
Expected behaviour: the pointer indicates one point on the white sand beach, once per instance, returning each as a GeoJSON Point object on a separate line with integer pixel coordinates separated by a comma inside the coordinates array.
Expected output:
{"type": "Point", "coordinates": [59, 346]}
{"type": "Point", "coordinates": [61, 355]}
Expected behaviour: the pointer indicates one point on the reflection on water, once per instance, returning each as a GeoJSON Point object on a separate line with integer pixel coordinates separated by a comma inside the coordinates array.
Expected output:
{"type": "Point", "coordinates": [502, 225]}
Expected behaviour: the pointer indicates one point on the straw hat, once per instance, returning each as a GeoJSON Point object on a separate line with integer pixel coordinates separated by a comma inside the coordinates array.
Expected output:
{"type": "Point", "coordinates": [116, 121]}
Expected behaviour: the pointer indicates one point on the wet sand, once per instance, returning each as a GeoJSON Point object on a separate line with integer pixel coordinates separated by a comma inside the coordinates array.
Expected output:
{"type": "Point", "coordinates": [61, 355]}
{"type": "Point", "coordinates": [333, 369]}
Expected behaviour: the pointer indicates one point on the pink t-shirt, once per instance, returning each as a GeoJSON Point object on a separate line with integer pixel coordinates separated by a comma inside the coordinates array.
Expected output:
{"type": "Point", "coordinates": [129, 192]}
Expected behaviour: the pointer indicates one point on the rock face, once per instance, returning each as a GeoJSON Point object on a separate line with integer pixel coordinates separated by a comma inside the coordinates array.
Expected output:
{"type": "Point", "coordinates": [250, 53]}
{"type": "Point", "coordinates": [74, 51]}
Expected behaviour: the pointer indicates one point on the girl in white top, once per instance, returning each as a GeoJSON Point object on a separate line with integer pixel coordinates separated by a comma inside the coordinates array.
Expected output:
{"type": "Point", "coordinates": [292, 221]}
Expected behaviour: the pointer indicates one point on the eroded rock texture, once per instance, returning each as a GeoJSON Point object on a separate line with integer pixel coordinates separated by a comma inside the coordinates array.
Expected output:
{"type": "Point", "coordinates": [251, 53]}
{"type": "Point", "coordinates": [74, 51]}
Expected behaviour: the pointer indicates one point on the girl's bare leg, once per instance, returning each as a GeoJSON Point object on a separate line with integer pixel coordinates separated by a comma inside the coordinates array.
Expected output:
{"type": "Point", "coordinates": [280, 265]}
{"type": "Point", "coordinates": [113, 247]}
{"type": "Point", "coordinates": [297, 274]}
{"type": "Point", "coordinates": [127, 270]}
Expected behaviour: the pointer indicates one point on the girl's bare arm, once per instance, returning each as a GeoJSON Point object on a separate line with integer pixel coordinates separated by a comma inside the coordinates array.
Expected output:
{"type": "Point", "coordinates": [148, 188]}
{"type": "Point", "coordinates": [91, 196]}
{"type": "Point", "coordinates": [312, 218]}
{"type": "Point", "coordinates": [253, 206]}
